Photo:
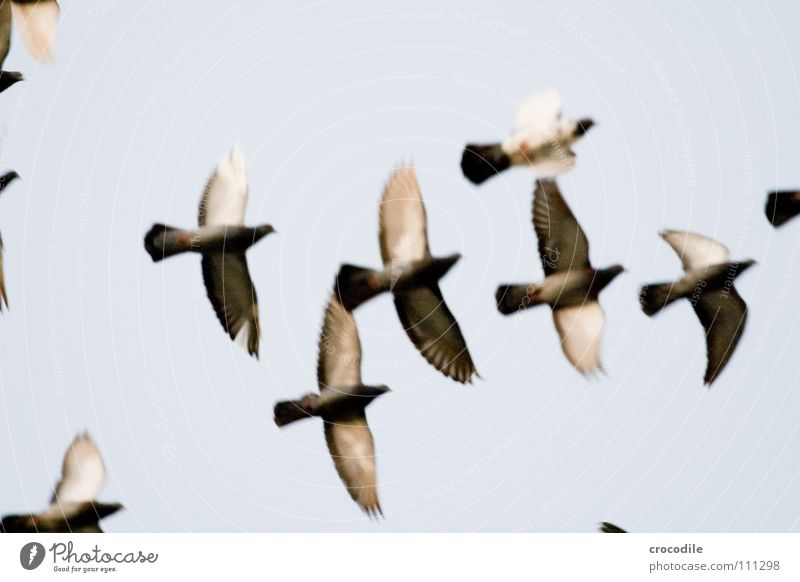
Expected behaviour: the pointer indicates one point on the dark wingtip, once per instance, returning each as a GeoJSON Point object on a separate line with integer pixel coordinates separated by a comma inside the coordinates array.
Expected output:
{"type": "Point", "coordinates": [584, 125]}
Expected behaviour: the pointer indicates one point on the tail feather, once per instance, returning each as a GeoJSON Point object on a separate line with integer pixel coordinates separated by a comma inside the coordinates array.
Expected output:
{"type": "Point", "coordinates": [656, 296]}
{"type": "Point", "coordinates": [160, 246]}
{"type": "Point", "coordinates": [481, 162]}
{"type": "Point", "coordinates": [782, 207]}
{"type": "Point", "coordinates": [356, 285]}
{"type": "Point", "coordinates": [514, 298]}
{"type": "Point", "coordinates": [289, 411]}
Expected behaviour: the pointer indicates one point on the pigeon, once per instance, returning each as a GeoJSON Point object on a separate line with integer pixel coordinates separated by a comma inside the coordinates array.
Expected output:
{"type": "Point", "coordinates": [5, 180]}
{"type": "Point", "coordinates": [606, 527]}
{"type": "Point", "coordinates": [7, 78]}
{"type": "Point", "coordinates": [341, 404]}
{"type": "Point", "coordinates": [540, 139]}
{"type": "Point", "coordinates": [782, 206]}
{"type": "Point", "coordinates": [571, 285]}
{"type": "Point", "coordinates": [412, 275]}
{"type": "Point", "coordinates": [222, 240]}
{"type": "Point", "coordinates": [37, 20]}
{"type": "Point", "coordinates": [708, 285]}
{"type": "Point", "coordinates": [73, 508]}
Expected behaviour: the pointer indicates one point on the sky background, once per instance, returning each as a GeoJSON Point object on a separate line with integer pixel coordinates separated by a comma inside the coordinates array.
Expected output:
{"type": "Point", "coordinates": [696, 111]}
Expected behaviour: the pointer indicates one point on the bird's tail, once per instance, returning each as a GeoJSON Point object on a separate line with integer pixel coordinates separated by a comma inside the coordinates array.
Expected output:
{"type": "Point", "coordinates": [161, 241]}
{"type": "Point", "coordinates": [88, 513]}
{"type": "Point", "coordinates": [356, 285]}
{"type": "Point", "coordinates": [514, 298]}
{"type": "Point", "coordinates": [782, 206]}
{"type": "Point", "coordinates": [289, 411]}
{"type": "Point", "coordinates": [481, 162]}
{"type": "Point", "coordinates": [656, 296]}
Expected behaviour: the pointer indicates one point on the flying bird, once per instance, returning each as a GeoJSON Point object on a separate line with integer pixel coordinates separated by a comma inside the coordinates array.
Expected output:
{"type": "Point", "coordinates": [412, 275]}
{"type": "Point", "coordinates": [5, 180]}
{"type": "Point", "coordinates": [341, 404]}
{"type": "Point", "coordinates": [540, 139]}
{"type": "Point", "coordinates": [73, 507]}
{"type": "Point", "coordinates": [607, 527]}
{"type": "Point", "coordinates": [782, 206]}
{"type": "Point", "coordinates": [571, 285]}
{"type": "Point", "coordinates": [708, 285]}
{"type": "Point", "coordinates": [36, 21]}
{"type": "Point", "coordinates": [222, 240]}
{"type": "Point", "coordinates": [7, 78]}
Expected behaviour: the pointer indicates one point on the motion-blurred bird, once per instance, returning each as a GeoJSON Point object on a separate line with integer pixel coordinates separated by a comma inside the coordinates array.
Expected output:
{"type": "Point", "coordinates": [412, 275]}
{"type": "Point", "coordinates": [540, 139]}
{"type": "Point", "coordinates": [36, 21]}
{"type": "Point", "coordinates": [73, 508]}
{"type": "Point", "coordinates": [708, 285]}
{"type": "Point", "coordinates": [222, 239]}
{"type": "Point", "coordinates": [341, 404]}
{"type": "Point", "coordinates": [571, 285]}
{"type": "Point", "coordinates": [782, 206]}
{"type": "Point", "coordinates": [607, 527]}
{"type": "Point", "coordinates": [5, 180]}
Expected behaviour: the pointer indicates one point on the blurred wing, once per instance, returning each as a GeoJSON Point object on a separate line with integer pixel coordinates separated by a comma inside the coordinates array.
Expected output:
{"type": "Point", "coordinates": [403, 223]}
{"type": "Point", "coordinates": [82, 473]}
{"type": "Point", "coordinates": [695, 250]}
{"type": "Point", "coordinates": [225, 196]}
{"type": "Point", "coordinates": [233, 297]}
{"type": "Point", "coordinates": [581, 331]}
{"type": "Point", "coordinates": [434, 331]}
{"type": "Point", "coordinates": [339, 361]}
{"type": "Point", "coordinates": [353, 452]}
{"type": "Point", "coordinates": [36, 21]}
{"type": "Point", "coordinates": [563, 245]}
{"type": "Point", "coordinates": [607, 527]}
{"type": "Point", "coordinates": [537, 116]}
{"type": "Point", "coordinates": [723, 314]}
{"type": "Point", "coordinates": [5, 30]}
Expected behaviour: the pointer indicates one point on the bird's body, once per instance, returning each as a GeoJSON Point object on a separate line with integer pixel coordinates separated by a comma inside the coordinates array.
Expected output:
{"type": "Point", "coordinates": [412, 275]}
{"type": "Point", "coordinates": [707, 284]}
{"type": "Point", "coordinates": [341, 403]}
{"type": "Point", "coordinates": [571, 286]}
{"type": "Point", "coordinates": [540, 139]}
{"type": "Point", "coordinates": [73, 508]}
{"type": "Point", "coordinates": [221, 239]}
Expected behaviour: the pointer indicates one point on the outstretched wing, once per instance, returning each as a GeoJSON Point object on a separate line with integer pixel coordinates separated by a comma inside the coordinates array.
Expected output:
{"type": "Point", "coordinates": [723, 314]}
{"type": "Point", "coordinates": [339, 360]}
{"type": "Point", "coordinates": [5, 30]}
{"type": "Point", "coordinates": [434, 331]}
{"type": "Point", "coordinates": [563, 245]}
{"type": "Point", "coordinates": [36, 21]}
{"type": "Point", "coordinates": [225, 196]}
{"type": "Point", "coordinates": [581, 331]}
{"type": "Point", "coordinates": [233, 296]}
{"type": "Point", "coordinates": [353, 451]}
{"type": "Point", "coordinates": [82, 473]}
{"type": "Point", "coordinates": [403, 222]}
{"type": "Point", "coordinates": [695, 250]}
{"type": "Point", "coordinates": [537, 116]}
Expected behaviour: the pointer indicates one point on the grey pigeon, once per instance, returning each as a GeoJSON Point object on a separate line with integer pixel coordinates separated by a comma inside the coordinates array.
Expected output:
{"type": "Point", "coordinates": [73, 507]}
{"type": "Point", "coordinates": [412, 275]}
{"type": "Point", "coordinates": [341, 404]}
{"type": "Point", "coordinates": [5, 180]}
{"type": "Point", "coordinates": [571, 285]}
{"type": "Point", "coordinates": [708, 286]}
{"type": "Point", "coordinates": [222, 239]}
{"type": "Point", "coordinates": [782, 206]}
{"type": "Point", "coordinates": [540, 139]}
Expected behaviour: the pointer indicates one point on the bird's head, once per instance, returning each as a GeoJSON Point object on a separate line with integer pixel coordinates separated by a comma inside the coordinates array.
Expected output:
{"type": "Point", "coordinates": [604, 276]}
{"type": "Point", "coordinates": [373, 392]}
{"type": "Point", "coordinates": [261, 231]}
{"type": "Point", "coordinates": [583, 125]}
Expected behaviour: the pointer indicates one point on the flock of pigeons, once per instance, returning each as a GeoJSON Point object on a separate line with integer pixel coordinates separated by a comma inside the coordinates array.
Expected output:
{"type": "Point", "coordinates": [541, 140]}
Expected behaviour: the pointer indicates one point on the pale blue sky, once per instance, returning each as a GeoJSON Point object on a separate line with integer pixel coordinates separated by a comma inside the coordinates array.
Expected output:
{"type": "Point", "coordinates": [696, 110]}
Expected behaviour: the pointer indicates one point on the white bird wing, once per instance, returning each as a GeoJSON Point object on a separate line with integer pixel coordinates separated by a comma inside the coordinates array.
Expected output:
{"type": "Point", "coordinates": [537, 117]}
{"type": "Point", "coordinates": [695, 250]}
{"type": "Point", "coordinates": [403, 222]}
{"type": "Point", "coordinates": [353, 452]}
{"type": "Point", "coordinates": [339, 361]}
{"type": "Point", "coordinates": [581, 331]}
{"type": "Point", "coordinates": [225, 196]}
{"type": "Point", "coordinates": [37, 21]}
{"type": "Point", "coordinates": [82, 473]}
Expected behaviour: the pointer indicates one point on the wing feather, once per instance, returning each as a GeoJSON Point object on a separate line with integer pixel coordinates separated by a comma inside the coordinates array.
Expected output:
{"type": "Point", "coordinates": [339, 361]}
{"type": "Point", "coordinates": [695, 250]}
{"type": "Point", "coordinates": [581, 331]}
{"type": "Point", "coordinates": [353, 451]}
{"type": "Point", "coordinates": [37, 21]}
{"type": "Point", "coordinates": [563, 245]}
{"type": "Point", "coordinates": [82, 473]}
{"type": "Point", "coordinates": [225, 196]}
{"type": "Point", "coordinates": [403, 222]}
{"type": "Point", "coordinates": [723, 314]}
